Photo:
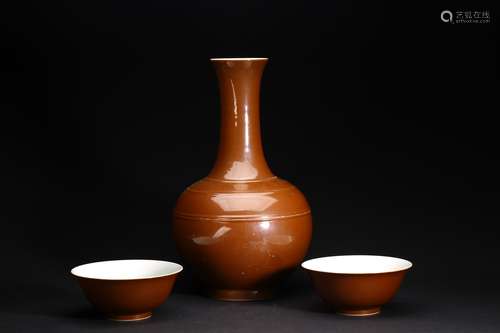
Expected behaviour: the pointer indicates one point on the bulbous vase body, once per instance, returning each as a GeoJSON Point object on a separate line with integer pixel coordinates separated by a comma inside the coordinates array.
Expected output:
{"type": "Point", "coordinates": [241, 228]}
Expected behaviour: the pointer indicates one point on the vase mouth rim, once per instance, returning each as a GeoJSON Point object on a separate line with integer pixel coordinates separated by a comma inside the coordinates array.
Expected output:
{"type": "Point", "coordinates": [237, 59]}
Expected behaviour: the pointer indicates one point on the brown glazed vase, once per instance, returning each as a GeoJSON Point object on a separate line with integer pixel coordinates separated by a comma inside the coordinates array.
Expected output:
{"type": "Point", "coordinates": [241, 228]}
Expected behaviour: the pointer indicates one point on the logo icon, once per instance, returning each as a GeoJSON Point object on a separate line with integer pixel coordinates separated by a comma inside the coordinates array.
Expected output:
{"type": "Point", "coordinates": [446, 16]}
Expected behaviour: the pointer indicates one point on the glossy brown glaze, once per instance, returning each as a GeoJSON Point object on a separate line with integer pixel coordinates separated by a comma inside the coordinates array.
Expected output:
{"type": "Point", "coordinates": [357, 294]}
{"type": "Point", "coordinates": [241, 228]}
{"type": "Point", "coordinates": [128, 299]}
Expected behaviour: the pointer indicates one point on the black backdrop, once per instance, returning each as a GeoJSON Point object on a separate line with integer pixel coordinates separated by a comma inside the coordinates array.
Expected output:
{"type": "Point", "coordinates": [382, 114]}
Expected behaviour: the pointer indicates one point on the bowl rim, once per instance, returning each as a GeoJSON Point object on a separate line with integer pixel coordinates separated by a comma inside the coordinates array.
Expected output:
{"type": "Point", "coordinates": [178, 269]}
{"type": "Point", "coordinates": [407, 265]}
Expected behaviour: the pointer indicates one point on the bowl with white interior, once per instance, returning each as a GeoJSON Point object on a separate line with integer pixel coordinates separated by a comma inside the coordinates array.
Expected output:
{"type": "Point", "coordinates": [127, 290]}
{"type": "Point", "coordinates": [357, 285]}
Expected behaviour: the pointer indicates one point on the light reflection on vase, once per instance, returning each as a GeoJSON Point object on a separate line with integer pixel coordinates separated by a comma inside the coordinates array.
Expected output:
{"type": "Point", "coordinates": [241, 202]}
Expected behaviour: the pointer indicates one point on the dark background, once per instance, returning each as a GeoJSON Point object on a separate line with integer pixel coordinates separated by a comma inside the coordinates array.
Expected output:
{"type": "Point", "coordinates": [383, 115]}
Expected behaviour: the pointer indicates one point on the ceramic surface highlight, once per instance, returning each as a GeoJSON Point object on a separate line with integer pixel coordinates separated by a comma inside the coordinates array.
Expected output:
{"type": "Point", "coordinates": [241, 228]}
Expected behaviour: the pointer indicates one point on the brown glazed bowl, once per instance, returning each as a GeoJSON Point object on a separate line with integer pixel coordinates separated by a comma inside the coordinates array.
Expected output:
{"type": "Point", "coordinates": [127, 290]}
{"type": "Point", "coordinates": [357, 285]}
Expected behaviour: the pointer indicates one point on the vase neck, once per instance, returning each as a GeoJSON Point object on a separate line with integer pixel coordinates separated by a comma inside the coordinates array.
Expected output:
{"type": "Point", "coordinates": [240, 156]}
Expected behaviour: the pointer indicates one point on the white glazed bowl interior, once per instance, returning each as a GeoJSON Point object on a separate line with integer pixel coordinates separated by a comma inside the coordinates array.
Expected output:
{"type": "Point", "coordinates": [126, 269]}
{"type": "Point", "coordinates": [357, 264]}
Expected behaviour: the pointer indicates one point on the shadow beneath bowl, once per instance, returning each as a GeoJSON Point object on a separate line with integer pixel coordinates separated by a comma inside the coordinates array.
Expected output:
{"type": "Point", "coordinates": [90, 318]}
{"type": "Point", "coordinates": [402, 309]}
{"type": "Point", "coordinates": [308, 301]}
{"type": "Point", "coordinates": [84, 313]}
{"type": "Point", "coordinates": [392, 310]}
{"type": "Point", "coordinates": [320, 307]}
{"type": "Point", "coordinates": [90, 315]}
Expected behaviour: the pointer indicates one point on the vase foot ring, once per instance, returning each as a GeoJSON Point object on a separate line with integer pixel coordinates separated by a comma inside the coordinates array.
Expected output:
{"type": "Point", "coordinates": [239, 295]}
{"type": "Point", "coordinates": [359, 313]}
{"type": "Point", "coordinates": [131, 317]}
